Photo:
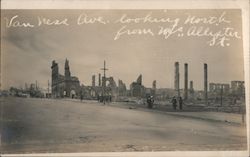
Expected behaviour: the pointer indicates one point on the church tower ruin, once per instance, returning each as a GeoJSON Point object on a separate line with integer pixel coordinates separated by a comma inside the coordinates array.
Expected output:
{"type": "Point", "coordinates": [67, 70]}
{"type": "Point", "coordinates": [64, 86]}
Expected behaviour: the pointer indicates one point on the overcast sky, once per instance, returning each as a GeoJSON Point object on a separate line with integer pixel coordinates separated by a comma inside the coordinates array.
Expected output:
{"type": "Point", "coordinates": [27, 53]}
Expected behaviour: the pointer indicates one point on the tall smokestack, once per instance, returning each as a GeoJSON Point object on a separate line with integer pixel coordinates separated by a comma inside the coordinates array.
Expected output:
{"type": "Point", "coordinates": [186, 81]}
{"type": "Point", "coordinates": [191, 86]}
{"type": "Point", "coordinates": [99, 80]}
{"type": "Point", "coordinates": [205, 83]}
{"type": "Point", "coordinates": [177, 78]}
{"type": "Point", "coordinates": [93, 80]}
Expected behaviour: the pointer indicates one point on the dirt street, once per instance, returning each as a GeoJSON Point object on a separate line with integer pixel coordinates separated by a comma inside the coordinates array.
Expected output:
{"type": "Point", "coordinates": [49, 125]}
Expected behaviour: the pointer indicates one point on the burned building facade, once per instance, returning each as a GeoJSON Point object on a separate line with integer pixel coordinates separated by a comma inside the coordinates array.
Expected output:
{"type": "Point", "coordinates": [217, 88]}
{"type": "Point", "coordinates": [64, 85]}
{"type": "Point", "coordinates": [136, 88]}
{"type": "Point", "coordinates": [122, 90]}
{"type": "Point", "coordinates": [106, 86]}
{"type": "Point", "coordinates": [238, 88]}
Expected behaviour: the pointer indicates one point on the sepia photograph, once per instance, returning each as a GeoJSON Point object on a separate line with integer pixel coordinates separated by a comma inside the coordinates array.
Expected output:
{"type": "Point", "coordinates": [122, 80]}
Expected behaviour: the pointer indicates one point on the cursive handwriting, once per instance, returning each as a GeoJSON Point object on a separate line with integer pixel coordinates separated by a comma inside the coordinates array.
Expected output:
{"type": "Point", "coordinates": [216, 29]}
{"type": "Point", "coordinates": [85, 19]}
{"type": "Point", "coordinates": [207, 20]}
{"type": "Point", "coordinates": [49, 22]}
{"type": "Point", "coordinates": [218, 37]}
{"type": "Point", "coordinates": [169, 31]}
{"type": "Point", "coordinates": [124, 30]}
{"type": "Point", "coordinates": [15, 22]}
{"type": "Point", "coordinates": [148, 18]}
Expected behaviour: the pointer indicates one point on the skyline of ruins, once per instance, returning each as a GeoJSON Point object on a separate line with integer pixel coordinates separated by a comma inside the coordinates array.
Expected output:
{"type": "Point", "coordinates": [96, 79]}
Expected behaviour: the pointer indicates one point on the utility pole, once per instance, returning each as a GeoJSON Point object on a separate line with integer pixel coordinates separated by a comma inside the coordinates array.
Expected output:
{"type": "Point", "coordinates": [104, 81]}
{"type": "Point", "coordinates": [104, 69]}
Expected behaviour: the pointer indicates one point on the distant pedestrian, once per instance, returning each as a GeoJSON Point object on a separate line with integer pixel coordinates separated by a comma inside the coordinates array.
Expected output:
{"type": "Point", "coordinates": [174, 102]}
{"type": "Point", "coordinates": [150, 101]}
{"type": "Point", "coordinates": [235, 101]}
{"type": "Point", "coordinates": [98, 98]}
{"type": "Point", "coordinates": [81, 97]}
{"type": "Point", "coordinates": [110, 98]}
{"type": "Point", "coordinates": [180, 103]}
{"type": "Point", "coordinates": [104, 99]}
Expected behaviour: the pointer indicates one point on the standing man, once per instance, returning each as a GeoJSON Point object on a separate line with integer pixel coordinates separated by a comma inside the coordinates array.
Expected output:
{"type": "Point", "coordinates": [174, 102]}
{"type": "Point", "coordinates": [180, 102]}
{"type": "Point", "coordinates": [81, 95]}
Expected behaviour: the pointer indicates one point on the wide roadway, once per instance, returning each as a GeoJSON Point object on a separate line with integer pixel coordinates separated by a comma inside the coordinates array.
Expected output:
{"type": "Point", "coordinates": [31, 125]}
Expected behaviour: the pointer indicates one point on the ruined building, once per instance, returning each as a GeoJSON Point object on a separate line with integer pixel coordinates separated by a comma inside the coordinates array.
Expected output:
{"type": "Point", "coordinates": [153, 90]}
{"type": "Point", "coordinates": [64, 86]}
{"type": "Point", "coordinates": [238, 88]}
{"type": "Point", "coordinates": [122, 90]}
{"type": "Point", "coordinates": [136, 88]}
{"type": "Point", "coordinates": [216, 88]}
{"type": "Point", "coordinates": [111, 87]}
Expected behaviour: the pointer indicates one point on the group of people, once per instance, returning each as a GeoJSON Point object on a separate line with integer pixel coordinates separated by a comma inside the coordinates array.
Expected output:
{"type": "Point", "coordinates": [104, 99]}
{"type": "Point", "coordinates": [150, 101]}
{"type": "Point", "coordinates": [176, 100]}
{"type": "Point", "coordinates": [100, 98]}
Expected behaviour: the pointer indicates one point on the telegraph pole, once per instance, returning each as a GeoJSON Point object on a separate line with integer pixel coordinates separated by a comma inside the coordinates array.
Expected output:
{"type": "Point", "coordinates": [104, 81]}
